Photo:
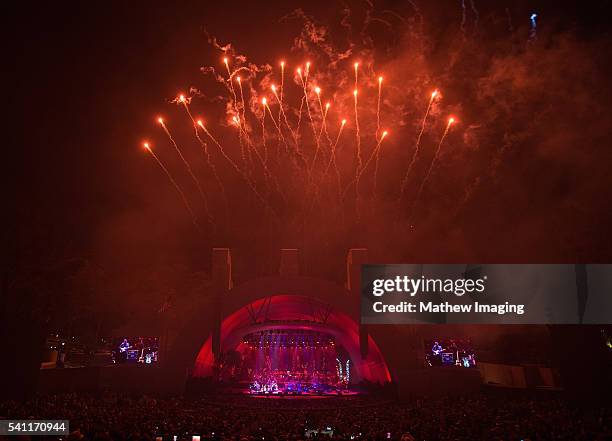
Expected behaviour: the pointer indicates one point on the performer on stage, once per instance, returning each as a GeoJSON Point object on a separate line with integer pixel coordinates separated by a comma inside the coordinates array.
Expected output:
{"type": "Point", "coordinates": [123, 350]}
{"type": "Point", "coordinates": [124, 346]}
{"type": "Point", "coordinates": [436, 348]}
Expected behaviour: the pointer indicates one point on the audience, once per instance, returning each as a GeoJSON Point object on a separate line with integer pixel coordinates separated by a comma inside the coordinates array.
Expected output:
{"type": "Point", "coordinates": [244, 418]}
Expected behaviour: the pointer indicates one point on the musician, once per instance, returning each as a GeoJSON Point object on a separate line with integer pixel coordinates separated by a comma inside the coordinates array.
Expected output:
{"type": "Point", "coordinates": [123, 350]}
{"type": "Point", "coordinates": [436, 348]}
{"type": "Point", "coordinates": [124, 346]}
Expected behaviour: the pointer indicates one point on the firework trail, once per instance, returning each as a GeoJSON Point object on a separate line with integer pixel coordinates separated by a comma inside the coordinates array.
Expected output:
{"type": "Point", "coordinates": [277, 125]}
{"type": "Point", "coordinates": [254, 148]}
{"type": "Point", "coordinates": [373, 155]}
{"type": "Point", "coordinates": [284, 116]}
{"type": "Point", "coordinates": [357, 135]}
{"type": "Point", "coordinates": [229, 80]}
{"type": "Point", "coordinates": [324, 124]}
{"type": "Point", "coordinates": [463, 16]}
{"type": "Point", "coordinates": [189, 170]}
{"type": "Point", "coordinates": [476, 13]}
{"type": "Point", "coordinates": [264, 103]}
{"type": "Point", "coordinates": [376, 162]}
{"type": "Point", "coordinates": [380, 80]}
{"type": "Point", "coordinates": [174, 183]}
{"type": "Point", "coordinates": [243, 104]}
{"type": "Point", "coordinates": [280, 138]}
{"type": "Point", "coordinates": [332, 157]}
{"type": "Point", "coordinates": [234, 103]}
{"type": "Point", "coordinates": [299, 121]}
{"type": "Point", "coordinates": [314, 131]}
{"type": "Point", "coordinates": [318, 136]}
{"type": "Point", "coordinates": [318, 92]}
{"type": "Point", "coordinates": [200, 124]}
{"type": "Point", "coordinates": [294, 133]}
{"type": "Point", "coordinates": [451, 121]}
{"type": "Point", "coordinates": [242, 120]}
{"type": "Point", "coordinates": [282, 90]}
{"type": "Point", "coordinates": [267, 173]}
{"type": "Point", "coordinates": [533, 31]}
{"type": "Point", "coordinates": [233, 164]}
{"type": "Point", "coordinates": [434, 94]}
{"type": "Point", "coordinates": [204, 146]}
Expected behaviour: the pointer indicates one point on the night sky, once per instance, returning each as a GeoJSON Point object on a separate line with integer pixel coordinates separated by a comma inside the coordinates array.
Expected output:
{"type": "Point", "coordinates": [91, 78]}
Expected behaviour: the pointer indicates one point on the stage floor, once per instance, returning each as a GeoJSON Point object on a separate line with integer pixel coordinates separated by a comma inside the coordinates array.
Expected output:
{"type": "Point", "coordinates": [303, 396]}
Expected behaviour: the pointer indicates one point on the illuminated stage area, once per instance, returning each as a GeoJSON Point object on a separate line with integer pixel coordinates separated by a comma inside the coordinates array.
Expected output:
{"type": "Point", "coordinates": [294, 362]}
{"type": "Point", "coordinates": [292, 344]}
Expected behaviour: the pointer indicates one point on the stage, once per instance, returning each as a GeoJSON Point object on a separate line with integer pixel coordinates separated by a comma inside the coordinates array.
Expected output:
{"type": "Point", "coordinates": [296, 362]}
{"type": "Point", "coordinates": [307, 396]}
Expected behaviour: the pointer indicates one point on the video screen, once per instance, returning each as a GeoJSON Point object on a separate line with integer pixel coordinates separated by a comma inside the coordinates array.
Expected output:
{"type": "Point", "coordinates": [133, 350]}
{"type": "Point", "coordinates": [450, 352]}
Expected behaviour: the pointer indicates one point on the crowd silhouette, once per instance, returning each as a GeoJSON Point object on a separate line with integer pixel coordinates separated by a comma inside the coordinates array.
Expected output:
{"type": "Point", "coordinates": [108, 417]}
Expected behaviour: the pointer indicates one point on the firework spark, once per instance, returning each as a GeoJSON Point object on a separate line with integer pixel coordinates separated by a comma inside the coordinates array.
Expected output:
{"type": "Point", "coordinates": [380, 81]}
{"type": "Point", "coordinates": [451, 121]}
{"type": "Point", "coordinates": [209, 162]}
{"type": "Point", "coordinates": [282, 90]}
{"type": "Point", "coordinates": [435, 94]}
{"type": "Point", "coordinates": [178, 189]}
{"type": "Point", "coordinates": [357, 134]}
{"type": "Point", "coordinates": [324, 122]}
{"type": "Point", "coordinates": [304, 81]}
{"type": "Point", "coordinates": [233, 164]}
{"type": "Point", "coordinates": [264, 104]}
{"type": "Point", "coordinates": [332, 156]}
{"type": "Point", "coordinates": [317, 136]}
{"type": "Point", "coordinates": [374, 154]}
{"type": "Point", "coordinates": [188, 167]}
{"type": "Point", "coordinates": [229, 81]}
{"type": "Point", "coordinates": [377, 159]}
{"type": "Point", "coordinates": [239, 80]}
